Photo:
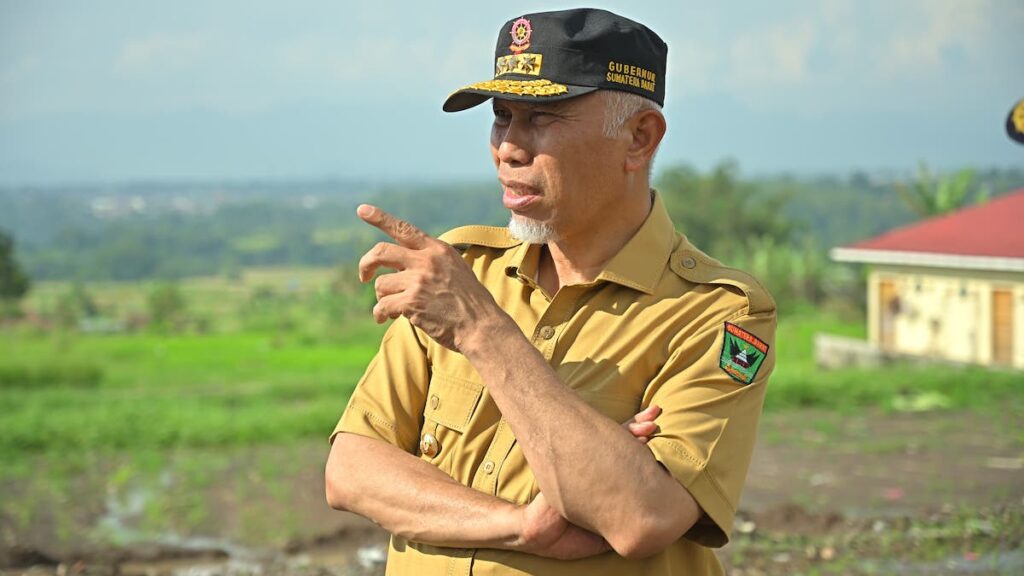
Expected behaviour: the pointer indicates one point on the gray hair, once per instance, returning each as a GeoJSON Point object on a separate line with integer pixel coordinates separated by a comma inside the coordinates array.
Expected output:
{"type": "Point", "coordinates": [621, 106]}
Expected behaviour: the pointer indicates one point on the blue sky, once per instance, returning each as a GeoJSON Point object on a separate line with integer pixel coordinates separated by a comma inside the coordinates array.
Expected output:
{"type": "Point", "coordinates": [109, 91]}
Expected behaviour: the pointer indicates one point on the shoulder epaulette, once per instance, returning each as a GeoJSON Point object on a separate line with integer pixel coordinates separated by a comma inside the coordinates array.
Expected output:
{"type": "Point", "coordinates": [695, 266]}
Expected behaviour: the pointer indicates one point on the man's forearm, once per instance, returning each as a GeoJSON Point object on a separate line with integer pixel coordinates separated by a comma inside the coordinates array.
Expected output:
{"type": "Point", "coordinates": [589, 467]}
{"type": "Point", "coordinates": [414, 499]}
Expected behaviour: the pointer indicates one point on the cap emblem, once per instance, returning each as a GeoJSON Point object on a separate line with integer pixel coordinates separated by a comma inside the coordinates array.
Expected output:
{"type": "Point", "coordinates": [521, 31]}
{"type": "Point", "coordinates": [528, 64]}
{"type": "Point", "coordinates": [1015, 122]}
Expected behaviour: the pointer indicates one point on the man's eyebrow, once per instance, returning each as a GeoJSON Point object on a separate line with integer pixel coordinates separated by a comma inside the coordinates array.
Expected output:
{"type": "Point", "coordinates": [558, 106]}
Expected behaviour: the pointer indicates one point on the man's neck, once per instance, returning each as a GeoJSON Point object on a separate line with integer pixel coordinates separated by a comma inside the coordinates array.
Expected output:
{"type": "Point", "coordinates": [580, 258]}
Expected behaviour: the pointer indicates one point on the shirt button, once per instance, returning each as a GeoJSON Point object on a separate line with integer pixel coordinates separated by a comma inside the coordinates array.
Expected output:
{"type": "Point", "coordinates": [488, 467]}
{"type": "Point", "coordinates": [428, 445]}
{"type": "Point", "coordinates": [547, 332]}
{"type": "Point", "coordinates": [689, 262]}
{"type": "Point", "coordinates": [435, 402]}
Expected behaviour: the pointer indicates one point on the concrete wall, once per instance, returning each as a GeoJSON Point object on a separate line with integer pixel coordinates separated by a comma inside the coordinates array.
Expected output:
{"type": "Point", "coordinates": [943, 313]}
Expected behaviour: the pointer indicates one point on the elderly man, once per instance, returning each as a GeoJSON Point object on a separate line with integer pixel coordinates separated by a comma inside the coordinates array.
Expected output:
{"type": "Point", "coordinates": [486, 434]}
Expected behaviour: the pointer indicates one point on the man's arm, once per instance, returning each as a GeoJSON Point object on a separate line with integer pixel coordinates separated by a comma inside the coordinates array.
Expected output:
{"type": "Point", "coordinates": [590, 469]}
{"type": "Point", "coordinates": [415, 500]}
{"type": "Point", "coordinates": [587, 466]}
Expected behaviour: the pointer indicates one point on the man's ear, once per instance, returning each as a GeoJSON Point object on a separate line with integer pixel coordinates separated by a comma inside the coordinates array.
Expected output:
{"type": "Point", "coordinates": [646, 129]}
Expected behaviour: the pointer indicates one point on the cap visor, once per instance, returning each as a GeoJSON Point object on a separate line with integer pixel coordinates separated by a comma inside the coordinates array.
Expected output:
{"type": "Point", "coordinates": [522, 90]}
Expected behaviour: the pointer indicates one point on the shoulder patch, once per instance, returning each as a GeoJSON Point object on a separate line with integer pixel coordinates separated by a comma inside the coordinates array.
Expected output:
{"type": "Point", "coordinates": [742, 354]}
{"type": "Point", "coordinates": [695, 266]}
{"type": "Point", "coordinates": [475, 235]}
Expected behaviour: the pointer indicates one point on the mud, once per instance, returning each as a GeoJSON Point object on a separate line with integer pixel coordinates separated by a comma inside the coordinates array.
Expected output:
{"type": "Point", "coordinates": [935, 493]}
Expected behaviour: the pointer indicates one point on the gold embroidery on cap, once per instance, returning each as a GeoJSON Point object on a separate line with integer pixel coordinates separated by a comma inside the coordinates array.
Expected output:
{"type": "Point", "coordinates": [518, 64]}
{"type": "Point", "coordinates": [520, 87]}
{"type": "Point", "coordinates": [634, 76]}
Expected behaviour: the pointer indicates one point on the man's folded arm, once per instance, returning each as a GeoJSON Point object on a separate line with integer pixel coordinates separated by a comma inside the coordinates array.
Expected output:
{"type": "Point", "coordinates": [373, 472]}
{"type": "Point", "coordinates": [591, 469]}
{"type": "Point", "coordinates": [591, 472]}
{"type": "Point", "coordinates": [413, 499]}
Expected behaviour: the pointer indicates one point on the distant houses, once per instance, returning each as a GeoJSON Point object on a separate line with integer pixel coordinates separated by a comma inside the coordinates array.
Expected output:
{"type": "Point", "coordinates": [949, 287]}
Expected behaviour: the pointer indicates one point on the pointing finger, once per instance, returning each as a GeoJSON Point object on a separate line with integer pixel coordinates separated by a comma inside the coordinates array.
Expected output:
{"type": "Point", "coordinates": [403, 232]}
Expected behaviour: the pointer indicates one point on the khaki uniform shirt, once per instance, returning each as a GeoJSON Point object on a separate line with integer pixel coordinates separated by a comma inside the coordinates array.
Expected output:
{"type": "Point", "coordinates": [651, 329]}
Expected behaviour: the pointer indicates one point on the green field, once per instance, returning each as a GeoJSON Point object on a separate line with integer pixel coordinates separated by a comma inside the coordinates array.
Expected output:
{"type": "Point", "coordinates": [236, 409]}
{"type": "Point", "coordinates": [282, 370]}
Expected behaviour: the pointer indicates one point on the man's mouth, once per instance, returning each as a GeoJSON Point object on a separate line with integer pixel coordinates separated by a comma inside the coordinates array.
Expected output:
{"type": "Point", "coordinates": [517, 196]}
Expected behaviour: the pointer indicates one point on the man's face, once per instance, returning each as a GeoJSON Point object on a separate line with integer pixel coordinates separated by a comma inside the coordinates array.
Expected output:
{"type": "Point", "coordinates": [556, 166]}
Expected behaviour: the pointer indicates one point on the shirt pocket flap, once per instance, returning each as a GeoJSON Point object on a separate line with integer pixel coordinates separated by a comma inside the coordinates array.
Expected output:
{"type": "Point", "coordinates": [451, 401]}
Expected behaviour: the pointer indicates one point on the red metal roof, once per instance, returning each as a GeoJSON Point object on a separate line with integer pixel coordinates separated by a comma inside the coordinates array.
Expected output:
{"type": "Point", "coordinates": [995, 228]}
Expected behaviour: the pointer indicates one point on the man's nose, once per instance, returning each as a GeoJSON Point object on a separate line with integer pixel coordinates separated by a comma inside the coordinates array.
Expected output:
{"type": "Point", "coordinates": [513, 146]}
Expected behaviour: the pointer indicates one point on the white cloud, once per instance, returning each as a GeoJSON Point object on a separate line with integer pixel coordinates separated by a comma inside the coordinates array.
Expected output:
{"type": "Point", "coordinates": [13, 72]}
{"type": "Point", "coordinates": [691, 65]}
{"type": "Point", "coordinates": [159, 52]}
{"type": "Point", "coordinates": [383, 61]}
{"type": "Point", "coordinates": [842, 53]}
{"type": "Point", "coordinates": [773, 56]}
{"type": "Point", "coordinates": [930, 29]}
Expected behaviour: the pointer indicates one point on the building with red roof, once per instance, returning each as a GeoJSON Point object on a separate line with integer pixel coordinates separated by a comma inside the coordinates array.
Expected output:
{"type": "Point", "coordinates": [951, 286]}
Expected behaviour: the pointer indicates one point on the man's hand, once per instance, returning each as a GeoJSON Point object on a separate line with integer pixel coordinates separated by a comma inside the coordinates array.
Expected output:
{"type": "Point", "coordinates": [546, 533]}
{"type": "Point", "coordinates": [642, 425]}
{"type": "Point", "coordinates": [432, 286]}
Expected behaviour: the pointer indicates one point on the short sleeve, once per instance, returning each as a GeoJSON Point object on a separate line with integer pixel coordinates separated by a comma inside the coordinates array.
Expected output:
{"type": "Point", "coordinates": [711, 392]}
{"type": "Point", "coordinates": [388, 401]}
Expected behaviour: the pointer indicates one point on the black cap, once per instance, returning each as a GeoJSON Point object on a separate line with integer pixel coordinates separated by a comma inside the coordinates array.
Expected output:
{"type": "Point", "coordinates": [551, 56]}
{"type": "Point", "coordinates": [1015, 122]}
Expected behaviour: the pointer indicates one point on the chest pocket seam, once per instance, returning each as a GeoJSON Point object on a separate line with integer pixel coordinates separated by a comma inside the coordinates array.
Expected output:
{"type": "Point", "coordinates": [457, 400]}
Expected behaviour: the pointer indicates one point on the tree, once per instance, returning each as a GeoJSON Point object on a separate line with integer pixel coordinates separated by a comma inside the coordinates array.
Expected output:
{"type": "Point", "coordinates": [166, 306]}
{"type": "Point", "coordinates": [928, 196]}
{"type": "Point", "coordinates": [718, 212]}
{"type": "Point", "coordinates": [74, 305]}
{"type": "Point", "coordinates": [14, 284]}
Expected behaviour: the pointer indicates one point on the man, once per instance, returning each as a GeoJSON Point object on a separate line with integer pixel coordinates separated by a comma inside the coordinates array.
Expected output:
{"type": "Point", "coordinates": [485, 434]}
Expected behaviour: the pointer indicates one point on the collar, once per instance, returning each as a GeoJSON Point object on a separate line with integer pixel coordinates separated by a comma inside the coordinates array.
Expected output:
{"type": "Point", "coordinates": [639, 264]}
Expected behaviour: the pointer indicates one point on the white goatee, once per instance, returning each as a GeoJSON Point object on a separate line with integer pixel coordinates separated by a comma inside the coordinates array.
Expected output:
{"type": "Point", "coordinates": [531, 231]}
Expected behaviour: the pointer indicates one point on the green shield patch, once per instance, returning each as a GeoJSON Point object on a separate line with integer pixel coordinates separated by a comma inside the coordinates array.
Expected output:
{"type": "Point", "coordinates": [742, 354]}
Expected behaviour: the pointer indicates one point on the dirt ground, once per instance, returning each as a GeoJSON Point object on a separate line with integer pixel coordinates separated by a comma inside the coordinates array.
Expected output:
{"type": "Point", "coordinates": [917, 493]}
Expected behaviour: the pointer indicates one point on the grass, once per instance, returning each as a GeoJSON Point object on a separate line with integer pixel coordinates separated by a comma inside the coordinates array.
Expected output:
{"type": "Point", "coordinates": [979, 541]}
{"type": "Point", "coordinates": [798, 383]}
{"type": "Point", "coordinates": [61, 390]}
{"type": "Point", "coordinates": [87, 415]}
{"type": "Point", "coordinates": [214, 297]}
{"type": "Point", "coordinates": [161, 391]}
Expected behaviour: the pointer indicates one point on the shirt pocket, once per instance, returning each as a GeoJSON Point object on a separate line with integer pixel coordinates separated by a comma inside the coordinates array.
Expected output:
{"type": "Point", "coordinates": [451, 403]}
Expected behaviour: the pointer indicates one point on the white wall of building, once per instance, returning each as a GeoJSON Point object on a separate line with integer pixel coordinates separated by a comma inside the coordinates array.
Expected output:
{"type": "Point", "coordinates": [944, 313]}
